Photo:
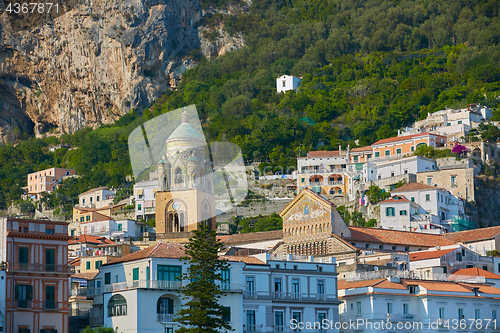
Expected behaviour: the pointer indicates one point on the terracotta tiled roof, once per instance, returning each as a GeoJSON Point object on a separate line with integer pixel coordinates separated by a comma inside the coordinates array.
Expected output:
{"type": "Point", "coordinates": [94, 189]}
{"type": "Point", "coordinates": [474, 235]}
{"type": "Point", "coordinates": [89, 239]}
{"type": "Point", "coordinates": [323, 153]}
{"type": "Point", "coordinates": [439, 285]}
{"type": "Point", "coordinates": [402, 138]}
{"type": "Point", "coordinates": [159, 250]}
{"type": "Point", "coordinates": [361, 149]}
{"type": "Point", "coordinates": [378, 283]}
{"type": "Point", "coordinates": [423, 255]}
{"type": "Point", "coordinates": [475, 271]}
{"type": "Point", "coordinates": [413, 187]}
{"type": "Point", "coordinates": [246, 260]}
{"type": "Point", "coordinates": [86, 276]}
{"type": "Point", "coordinates": [395, 198]}
{"type": "Point", "coordinates": [377, 235]}
{"type": "Point", "coordinates": [252, 237]}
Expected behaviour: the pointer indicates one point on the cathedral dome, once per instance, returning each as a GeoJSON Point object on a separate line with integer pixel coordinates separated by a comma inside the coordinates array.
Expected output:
{"type": "Point", "coordinates": [186, 131]}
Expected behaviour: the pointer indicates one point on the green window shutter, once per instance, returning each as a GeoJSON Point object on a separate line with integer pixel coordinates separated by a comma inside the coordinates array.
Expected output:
{"type": "Point", "coordinates": [16, 294]}
{"type": "Point", "coordinates": [170, 306]}
{"type": "Point", "coordinates": [23, 255]}
{"type": "Point", "coordinates": [29, 292]}
{"type": "Point", "coordinates": [107, 278]}
{"type": "Point", "coordinates": [135, 274]}
{"type": "Point", "coordinates": [87, 264]}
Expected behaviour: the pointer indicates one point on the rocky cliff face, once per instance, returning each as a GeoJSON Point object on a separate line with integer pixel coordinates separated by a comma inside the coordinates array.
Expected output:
{"type": "Point", "coordinates": [97, 61]}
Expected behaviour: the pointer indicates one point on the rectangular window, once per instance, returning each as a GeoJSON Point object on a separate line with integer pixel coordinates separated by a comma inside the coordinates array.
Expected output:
{"type": "Point", "coordinates": [459, 122]}
{"type": "Point", "coordinates": [355, 158]}
{"type": "Point", "coordinates": [303, 180]}
{"type": "Point", "coordinates": [226, 314]}
{"type": "Point", "coordinates": [441, 313]}
{"type": "Point", "coordinates": [135, 274]}
{"type": "Point", "coordinates": [23, 255]}
{"type": "Point", "coordinates": [107, 278]}
{"type": "Point", "coordinates": [403, 212]}
{"type": "Point", "coordinates": [120, 227]}
{"type": "Point", "coordinates": [50, 297]}
{"type": "Point", "coordinates": [485, 268]}
{"type": "Point", "coordinates": [49, 231]}
{"type": "Point", "coordinates": [387, 153]}
{"type": "Point", "coordinates": [406, 308]}
{"type": "Point", "coordinates": [389, 308]}
{"type": "Point", "coordinates": [295, 288]}
{"type": "Point", "coordinates": [412, 148]}
{"type": "Point", "coordinates": [250, 288]}
{"type": "Point", "coordinates": [297, 318]}
{"type": "Point", "coordinates": [459, 256]}
{"type": "Point", "coordinates": [98, 264]}
{"type": "Point", "coordinates": [461, 314]}
{"type": "Point", "coordinates": [321, 289]}
{"type": "Point", "coordinates": [25, 330]}
{"type": "Point", "coordinates": [390, 211]}
{"type": "Point", "coordinates": [493, 315]}
{"type": "Point", "coordinates": [87, 265]}
{"type": "Point", "coordinates": [169, 272]}
{"type": "Point", "coordinates": [97, 198]}
{"type": "Point", "coordinates": [225, 279]}
{"type": "Point", "coordinates": [321, 317]}
{"type": "Point", "coordinates": [81, 218]}
{"type": "Point", "coordinates": [139, 207]}
{"type": "Point", "coordinates": [278, 321]}
{"type": "Point", "coordinates": [251, 320]}
{"type": "Point", "coordinates": [412, 199]}
{"type": "Point", "coordinates": [358, 308]}
{"type": "Point", "coordinates": [87, 218]}
{"type": "Point", "coordinates": [445, 269]}
{"type": "Point", "coordinates": [477, 314]}
{"type": "Point", "coordinates": [277, 287]}
{"type": "Point", "coordinates": [368, 156]}
{"type": "Point", "coordinates": [448, 124]}
{"type": "Point", "coordinates": [429, 181]}
{"type": "Point", "coordinates": [377, 154]}
{"type": "Point", "coordinates": [23, 294]}
{"type": "Point", "coordinates": [50, 259]}
{"type": "Point", "coordinates": [427, 197]}
{"type": "Point", "coordinates": [83, 201]}
{"type": "Point", "coordinates": [398, 150]}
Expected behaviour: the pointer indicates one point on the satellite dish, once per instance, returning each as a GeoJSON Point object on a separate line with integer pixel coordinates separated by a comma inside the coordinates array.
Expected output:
{"type": "Point", "coordinates": [375, 269]}
{"type": "Point", "coordinates": [451, 264]}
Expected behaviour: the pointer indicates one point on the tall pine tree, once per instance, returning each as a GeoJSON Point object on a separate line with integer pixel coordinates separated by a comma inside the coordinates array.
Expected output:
{"type": "Point", "coordinates": [203, 312]}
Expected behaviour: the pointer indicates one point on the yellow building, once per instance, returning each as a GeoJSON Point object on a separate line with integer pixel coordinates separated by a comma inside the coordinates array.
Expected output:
{"type": "Point", "coordinates": [186, 195]}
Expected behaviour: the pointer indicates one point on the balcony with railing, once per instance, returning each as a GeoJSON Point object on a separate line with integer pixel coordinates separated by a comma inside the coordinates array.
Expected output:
{"type": "Point", "coordinates": [155, 284]}
{"type": "Point", "coordinates": [23, 304]}
{"type": "Point", "coordinates": [51, 305]}
{"type": "Point", "coordinates": [78, 292]}
{"type": "Point", "coordinates": [276, 295]}
{"type": "Point", "coordinates": [164, 317]}
{"type": "Point", "coordinates": [43, 268]}
{"type": "Point", "coordinates": [387, 317]}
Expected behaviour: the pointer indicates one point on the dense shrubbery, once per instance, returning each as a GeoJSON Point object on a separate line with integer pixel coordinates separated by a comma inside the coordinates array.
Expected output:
{"type": "Point", "coordinates": [260, 223]}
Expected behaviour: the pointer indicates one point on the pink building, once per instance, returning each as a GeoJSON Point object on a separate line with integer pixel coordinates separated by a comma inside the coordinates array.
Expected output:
{"type": "Point", "coordinates": [46, 180]}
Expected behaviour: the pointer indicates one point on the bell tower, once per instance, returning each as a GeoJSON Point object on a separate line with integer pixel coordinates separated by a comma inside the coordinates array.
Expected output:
{"type": "Point", "coordinates": [186, 197]}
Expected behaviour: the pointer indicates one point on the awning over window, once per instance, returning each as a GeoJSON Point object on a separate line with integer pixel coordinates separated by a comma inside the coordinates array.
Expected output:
{"type": "Point", "coordinates": [140, 191]}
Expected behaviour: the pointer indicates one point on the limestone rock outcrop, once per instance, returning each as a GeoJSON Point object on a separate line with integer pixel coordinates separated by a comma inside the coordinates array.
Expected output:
{"type": "Point", "coordinates": [97, 61]}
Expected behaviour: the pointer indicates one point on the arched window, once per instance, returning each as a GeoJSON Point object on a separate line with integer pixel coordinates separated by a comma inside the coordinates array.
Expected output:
{"type": "Point", "coordinates": [165, 309]}
{"type": "Point", "coordinates": [117, 306]}
{"type": "Point", "coordinates": [179, 179]}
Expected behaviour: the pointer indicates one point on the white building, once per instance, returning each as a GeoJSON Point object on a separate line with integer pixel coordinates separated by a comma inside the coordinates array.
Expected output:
{"type": "Point", "coordinates": [437, 203]}
{"type": "Point", "coordinates": [447, 260]}
{"type": "Point", "coordinates": [392, 168]}
{"type": "Point", "coordinates": [411, 305]}
{"type": "Point", "coordinates": [480, 240]}
{"type": "Point", "coordinates": [140, 292]}
{"type": "Point", "coordinates": [116, 230]}
{"type": "Point", "coordinates": [145, 198]}
{"type": "Point", "coordinates": [451, 122]}
{"type": "Point", "coordinates": [96, 198]}
{"type": "Point", "coordinates": [287, 82]}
